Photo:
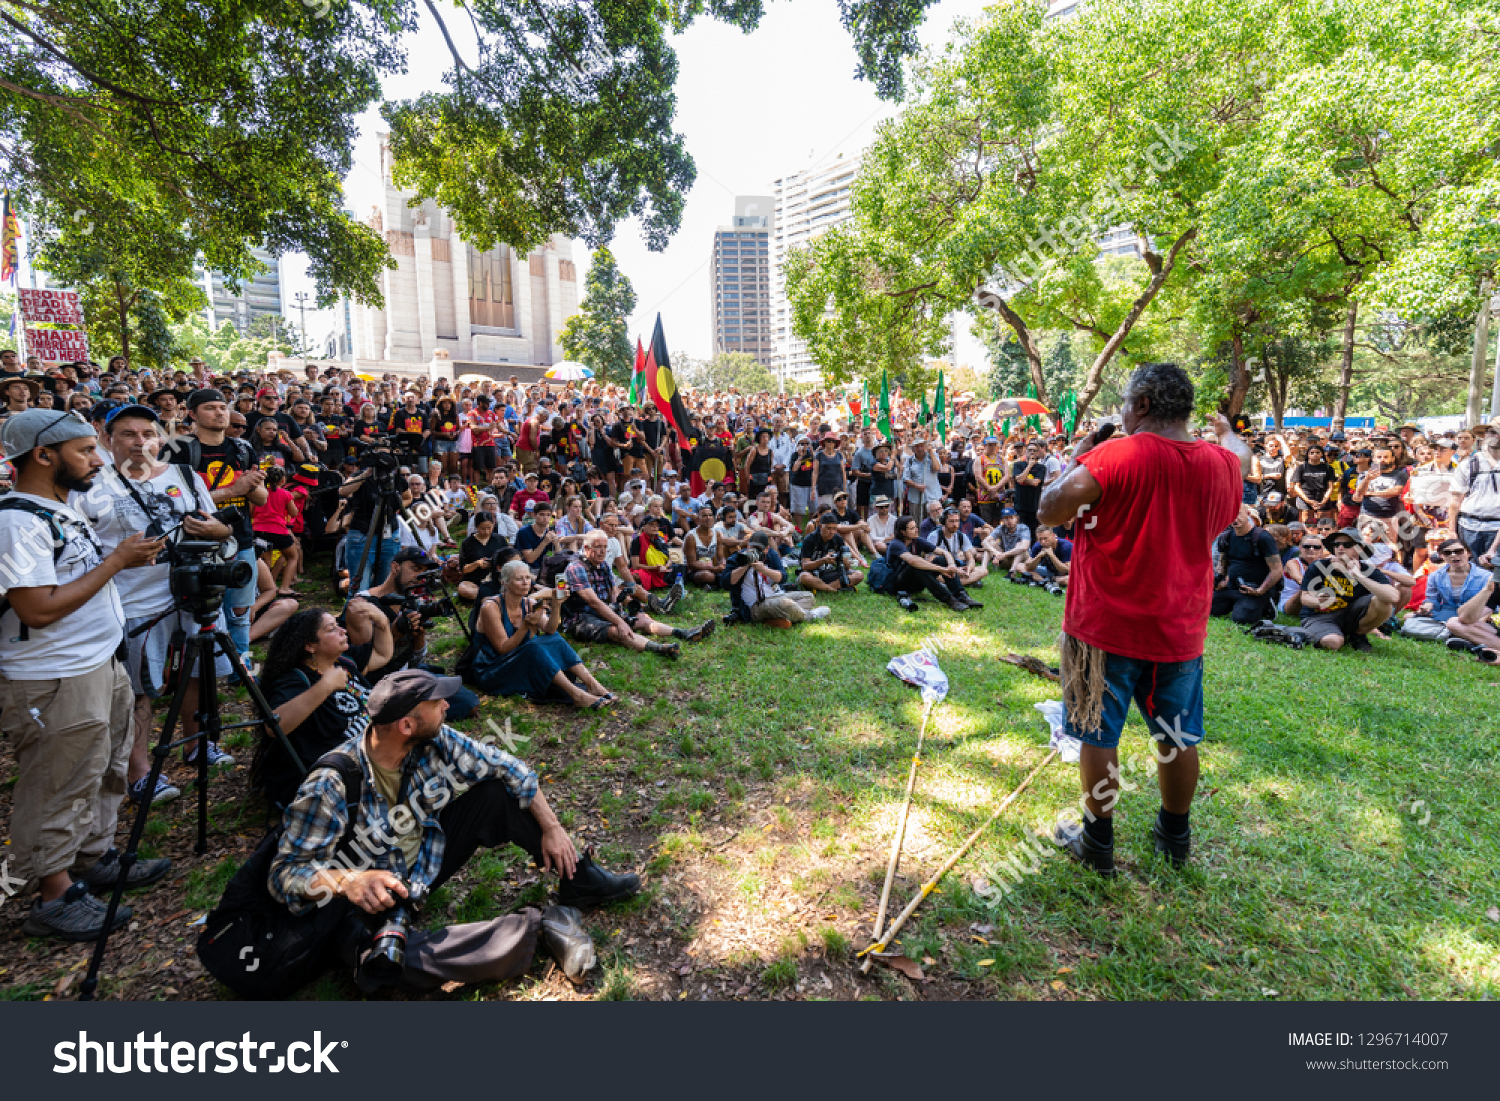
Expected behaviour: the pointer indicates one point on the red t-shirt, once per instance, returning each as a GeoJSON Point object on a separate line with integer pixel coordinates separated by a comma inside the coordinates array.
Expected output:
{"type": "Point", "coordinates": [482, 423]}
{"type": "Point", "coordinates": [1141, 580]}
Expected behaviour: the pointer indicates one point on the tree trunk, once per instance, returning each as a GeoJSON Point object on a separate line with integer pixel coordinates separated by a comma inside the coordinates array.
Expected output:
{"type": "Point", "coordinates": [1474, 409]}
{"type": "Point", "coordinates": [1346, 370]}
{"type": "Point", "coordinates": [1024, 338]}
{"type": "Point", "coordinates": [123, 307]}
{"type": "Point", "coordinates": [1095, 378]}
{"type": "Point", "coordinates": [1278, 386]}
{"type": "Point", "coordinates": [1239, 376]}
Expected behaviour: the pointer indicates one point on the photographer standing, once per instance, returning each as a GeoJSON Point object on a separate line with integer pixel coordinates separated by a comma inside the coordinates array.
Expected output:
{"type": "Point", "coordinates": [1155, 500]}
{"type": "Point", "coordinates": [144, 496]}
{"type": "Point", "coordinates": [65, 700]}
{"type": "Point", "coordinates": [365, 492]}
{"type": "Point", "coordinates": [226, 466]}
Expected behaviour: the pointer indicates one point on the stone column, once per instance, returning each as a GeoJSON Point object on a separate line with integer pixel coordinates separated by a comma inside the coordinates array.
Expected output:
{"type": "Point", "coordinates": [426, 298]}
{"type": "Point", "coordinates": [441, 367]}
{"type": "Point", "coordinates": [554, 304]}
{"type": "Point", "coordinates": [458, 258]}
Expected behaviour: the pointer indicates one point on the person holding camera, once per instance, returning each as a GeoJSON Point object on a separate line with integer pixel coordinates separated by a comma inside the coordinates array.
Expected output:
{"type": "Point", "coordinates": [227, 466]}
{"type": "Point", "coordinates": [823, 566]}
{"type": "Point", "coordinates": [365, 492]}
{"type": "Point", "coordinates": [755, 576]}
{"type": "Point", "coordinates": [520, 652]}
{"type": "Point", "coordinates": [142, 495]}
{"type": "Point", "coordinates": [400, 599]}
{"type": "Point", "coordinates": [429, 798]}
{"type": "Point", "coordinates": [65, 697]}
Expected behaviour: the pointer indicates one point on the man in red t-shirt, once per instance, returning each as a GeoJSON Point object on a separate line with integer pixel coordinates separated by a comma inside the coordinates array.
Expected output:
{"type": "Point", "coordinates": [1148, 507]}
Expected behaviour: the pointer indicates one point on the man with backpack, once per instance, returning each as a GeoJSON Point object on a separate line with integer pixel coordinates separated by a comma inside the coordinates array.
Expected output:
{"type": "Point", "coordinates": [1475, 508]}
{"type": "Point", "coordinates": [65, 698]}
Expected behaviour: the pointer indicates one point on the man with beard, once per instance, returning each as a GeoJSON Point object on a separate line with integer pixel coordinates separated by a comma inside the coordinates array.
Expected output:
{"type": "Point", "coordinates": [428, 799]}
{"type": "Point", "coordinates": [65, 699]}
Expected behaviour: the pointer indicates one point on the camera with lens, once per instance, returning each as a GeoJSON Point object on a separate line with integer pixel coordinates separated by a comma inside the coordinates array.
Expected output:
{"type": "Point", "coordinates": [747, 557]}
{"type": "Point", "coordinates": [383, 963]}
{"type": "Point", "coordinates": [201, 574]}
{"type": "Point", "coordinates": [417, 598]}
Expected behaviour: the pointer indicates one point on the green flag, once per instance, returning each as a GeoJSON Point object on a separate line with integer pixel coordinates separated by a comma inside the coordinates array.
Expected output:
{"type": "Point", "coordinates": [924, 414]}
{"type": "Point", "coordinates": [864, 406]}
{"type": "Point", "coordinates": [940, 405]}
{"type": "Point", "coordinates": [1033, 422]}
{"type": "Point", "coordinates": [884, 424]}
{"type": "Point", "coordinates": [1068, 411]}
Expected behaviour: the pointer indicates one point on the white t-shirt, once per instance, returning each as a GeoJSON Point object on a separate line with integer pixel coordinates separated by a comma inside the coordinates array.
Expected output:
{"type": "Point", "coordinates": [882, 530]}
{"type": "Point", "coordinates": [78, 643]}
{"type": "Point", "coordinates": [613, 552]}
{"type": "Point", "coordinates": [958, 544]}
{"type": "Point", "coordinates": [115, 515]}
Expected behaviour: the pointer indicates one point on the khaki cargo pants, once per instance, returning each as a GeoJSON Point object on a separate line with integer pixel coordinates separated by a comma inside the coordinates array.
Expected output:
{"type": "Point", "coordinates": [73, 755]}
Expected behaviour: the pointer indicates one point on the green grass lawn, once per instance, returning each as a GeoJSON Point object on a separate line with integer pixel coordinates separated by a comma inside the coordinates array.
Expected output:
{"type": "Point", "coordinates": [1344, 830]}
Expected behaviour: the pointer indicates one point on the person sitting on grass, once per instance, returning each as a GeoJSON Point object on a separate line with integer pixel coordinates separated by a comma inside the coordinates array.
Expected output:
{"type": "Point", "coordinates": [1294, 571]}
{"type": "Point", "coordinates": [1048, 563]}
{"type": "Point", "coordinates": [914, 565]}
{"type": "Point", "coordinates": [520, 653]}
{"type": "Point", "coordinates": [768, 518]}
{"type": "Point", "coordinates": [592, 610]}
{"type": "Point", "coordinates": [1008, 545]}
{"type": "Point", "coordinates": [539, 538]}
{"type": "Point", "coordinates": [960, 550]}
{"type": "Point", "coordinates": [855, 532]}
{"type": "Point", "coordinates": [1343, 597]}
{"type": "Point", "coordinates": [572, 526]}
{"type": "Point", "coordinates": [755, 575]}
{"type": "Point", "coordinates": [703, 551]}
{"type": "Point", "coordinates": [477, 558]}
{"type": "Point", "coordinates": [1473, 626]}
{"type": "Point", "coordinates": [823, 568]}
{"type": "Point", "coordinates": [651, 566]}
{"type": "Point", "coordinates": [882, 523]}
{"type": "Point", "coordinates": [270, 609]}
{"type": "Point", "coordinates": [317, 691]}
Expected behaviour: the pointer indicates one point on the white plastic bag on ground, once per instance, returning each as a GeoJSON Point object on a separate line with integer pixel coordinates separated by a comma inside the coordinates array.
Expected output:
{"type": "Point", "coordinates": [920, 670]}
{"type": "Point", "coordinates": [1067, 745]}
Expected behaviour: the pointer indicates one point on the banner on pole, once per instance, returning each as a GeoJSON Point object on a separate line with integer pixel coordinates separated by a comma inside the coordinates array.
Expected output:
{"type": "Point", "coordinates": [57, 344]}
{"type": "Point", "coordinates": [53, 307]}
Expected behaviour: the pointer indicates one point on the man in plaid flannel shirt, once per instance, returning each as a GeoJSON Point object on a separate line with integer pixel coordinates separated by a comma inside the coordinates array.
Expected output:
{"type": "Point", "coordinates": [592, 611]}
{"type": "Point", "coordinates": [431, 796]}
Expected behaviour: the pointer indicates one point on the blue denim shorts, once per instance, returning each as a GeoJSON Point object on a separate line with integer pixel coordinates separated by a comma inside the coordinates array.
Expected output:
{"type": "Point", "coordinates": [1168, 694]}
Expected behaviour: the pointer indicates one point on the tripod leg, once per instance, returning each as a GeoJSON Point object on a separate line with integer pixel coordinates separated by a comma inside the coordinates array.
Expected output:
{"type": "Point", "coordinates": [208, 728]}
{"type": "Point", "coordinates": [259, 699]}
{"type": "Point", "coordinates": [159, 756]}
{"type": "Point", "coordinates": [377, 531]}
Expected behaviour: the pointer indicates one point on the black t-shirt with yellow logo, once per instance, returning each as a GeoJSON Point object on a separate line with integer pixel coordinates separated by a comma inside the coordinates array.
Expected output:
{"type": "Point", "coordinates": [1346, 584]}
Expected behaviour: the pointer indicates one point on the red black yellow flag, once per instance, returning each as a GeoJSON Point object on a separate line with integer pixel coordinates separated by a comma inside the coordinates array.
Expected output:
{"type": "Point", "coordinates": [663, 388]}
{"type": "Point", "coordinates": [10, 234]}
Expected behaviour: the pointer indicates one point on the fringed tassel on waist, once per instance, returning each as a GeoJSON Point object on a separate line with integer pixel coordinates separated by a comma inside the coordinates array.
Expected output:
{"type": "Point", "coordinates": [1083, 682]}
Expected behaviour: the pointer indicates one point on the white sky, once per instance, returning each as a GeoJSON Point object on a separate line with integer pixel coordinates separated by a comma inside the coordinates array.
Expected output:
{"type": "Point", "coordinates": [752, 108]}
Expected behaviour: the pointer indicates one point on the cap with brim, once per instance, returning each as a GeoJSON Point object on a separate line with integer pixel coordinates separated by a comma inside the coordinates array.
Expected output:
{"type": "Point", "coordinates": [1447, 445]}
{"type": "Point", "coordinates": [409, 554]}
{"type": "Point", "coordinates": [880, 500]}
{"type": "Point", "coordinates": [398, 694]}
{"type": "Point", "coordinates": [266, 393]}
{"type": "Point", "coordinates": [203, 397]}
{"type": "Point", "coordinates": [1346, 533]}
{"type": "Point", "coordinates": [1004, 512]}
{"type": "Point", "coordinates": [24, 432]}
{"type": "Point", "coordinates": [144, 412]}
{"type": "Point", "coordinates": [307, 475]}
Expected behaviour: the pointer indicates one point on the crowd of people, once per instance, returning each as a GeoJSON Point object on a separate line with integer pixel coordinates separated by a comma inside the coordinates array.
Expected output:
{"type": "Point", "coordinates": [549, 517]}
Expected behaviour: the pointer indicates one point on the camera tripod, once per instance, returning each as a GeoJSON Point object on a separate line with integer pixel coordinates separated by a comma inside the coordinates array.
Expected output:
{"type": "Point", "coordinates": [197, 663]}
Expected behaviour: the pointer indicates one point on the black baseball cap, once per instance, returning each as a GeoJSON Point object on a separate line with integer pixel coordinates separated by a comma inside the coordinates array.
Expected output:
{"type": "Point", "coordinates": [201, 397]}
{"type": "Point", "coordinates": [409, 554]}
{"type": "Point", "coordinates": [398, 694]}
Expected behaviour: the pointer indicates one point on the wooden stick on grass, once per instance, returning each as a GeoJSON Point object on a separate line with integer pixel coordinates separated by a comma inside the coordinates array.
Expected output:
{"type": "Point", "coordinates": [881, 940]}
{"type": "Point", "coordinates": [900, 837]}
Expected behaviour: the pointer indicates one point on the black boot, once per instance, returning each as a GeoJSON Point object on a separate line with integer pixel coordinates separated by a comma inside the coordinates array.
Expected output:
{"type": "Point", "coordinates": [1174, 846]}
{"type": "Point", "coordinates": [1088, 852]}
{"type": "Point", "coordinates": [592, 886]}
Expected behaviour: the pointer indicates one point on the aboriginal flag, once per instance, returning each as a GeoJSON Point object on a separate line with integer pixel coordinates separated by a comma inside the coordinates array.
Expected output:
{"type": "Point", "coordinates": [662, 387]}
{"type": "Point", "coordinates": [10, 232]}
{"type": "Point", "coordinates": [710, 462]}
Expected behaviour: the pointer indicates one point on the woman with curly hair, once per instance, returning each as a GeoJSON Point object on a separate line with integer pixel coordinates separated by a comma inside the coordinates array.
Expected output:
{"type": "Point", "coordinates": [318, 694]}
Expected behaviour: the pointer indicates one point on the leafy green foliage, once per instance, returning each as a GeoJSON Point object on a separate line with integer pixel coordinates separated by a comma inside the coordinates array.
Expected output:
{"type": "Point", "coordinates": [724, 370]}
{"type": "Point", "coordinates": [598, 335]}
{"type": "Point", "coordinates": [226, 349]}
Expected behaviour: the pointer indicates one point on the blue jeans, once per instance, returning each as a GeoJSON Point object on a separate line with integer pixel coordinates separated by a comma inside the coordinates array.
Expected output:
{"type": "Point", "coordinates": [379, 564]}
{"type": "Point", "coordinates": [1168, 694]}
{"type": "Point", "coordinates": [241, 598]}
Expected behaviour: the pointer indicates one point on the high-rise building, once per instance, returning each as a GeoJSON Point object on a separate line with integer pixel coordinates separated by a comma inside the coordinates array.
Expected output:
{"type": "Point", "coordinates": [259, 296]}
{"type": "Point", "coordinates": [741, 281]}
{"type": "Point", "coordinates": [808, 204]}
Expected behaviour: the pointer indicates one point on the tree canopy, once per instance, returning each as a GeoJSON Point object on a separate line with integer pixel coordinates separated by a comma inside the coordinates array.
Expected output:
{"type": "Point", "coordinates": [598, 335]}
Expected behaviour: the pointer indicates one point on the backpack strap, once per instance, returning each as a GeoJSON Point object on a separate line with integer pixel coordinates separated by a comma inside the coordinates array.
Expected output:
{"type": "Point", "coordinates": [59, 541]}
{"type": "Point", "coordinates": [348, 767]}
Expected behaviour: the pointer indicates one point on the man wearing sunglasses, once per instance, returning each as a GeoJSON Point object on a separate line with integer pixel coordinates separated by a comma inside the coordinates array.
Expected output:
{"type": "Point", "coordinates": [1345, 598]}
{"type": "Point", "coordinates": [65, 698]}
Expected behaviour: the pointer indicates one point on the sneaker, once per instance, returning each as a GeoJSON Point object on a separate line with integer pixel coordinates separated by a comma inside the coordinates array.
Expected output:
{"type": "Point", "coordinates": [564, 936]}
{"type": "Point", "coordinates": [665, 649]}
{"type": "Point", "coordinates": [1460, 645]}
{"type": "Point", "coordinates": [1076, 842]}
{"type": "Point", "coordinates": [591, 885]}
{"type": "Point", "coordinates": [677, 592]}
{"type": "Point", "coordinates": [658, 604]}
{"type": "Point", "coordinates": [1362, 644]}
{"type": "Point", "coordinates": [1488, 656]}
{"type": "Point", "coordinates": [105, 872]}
{"type": "Point", "coordinates": [971, 602]}
{"type": "Point", "coordinates": [697, 634]}
{"type": "Point", "coordinates": [1174, 847]}
{"type": "Point", "coordinates": [820, 613]}
{"type": "Point", "coordinates": [779, 621]}
{"type": "Point", "coordinates": [166, 791]}
{"type": "Point", "coordinates": [77, 916]}
{"type": "Point", "coordinates": [906, 602]}
{"type": "Point", "coordinates": [216, 756]}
